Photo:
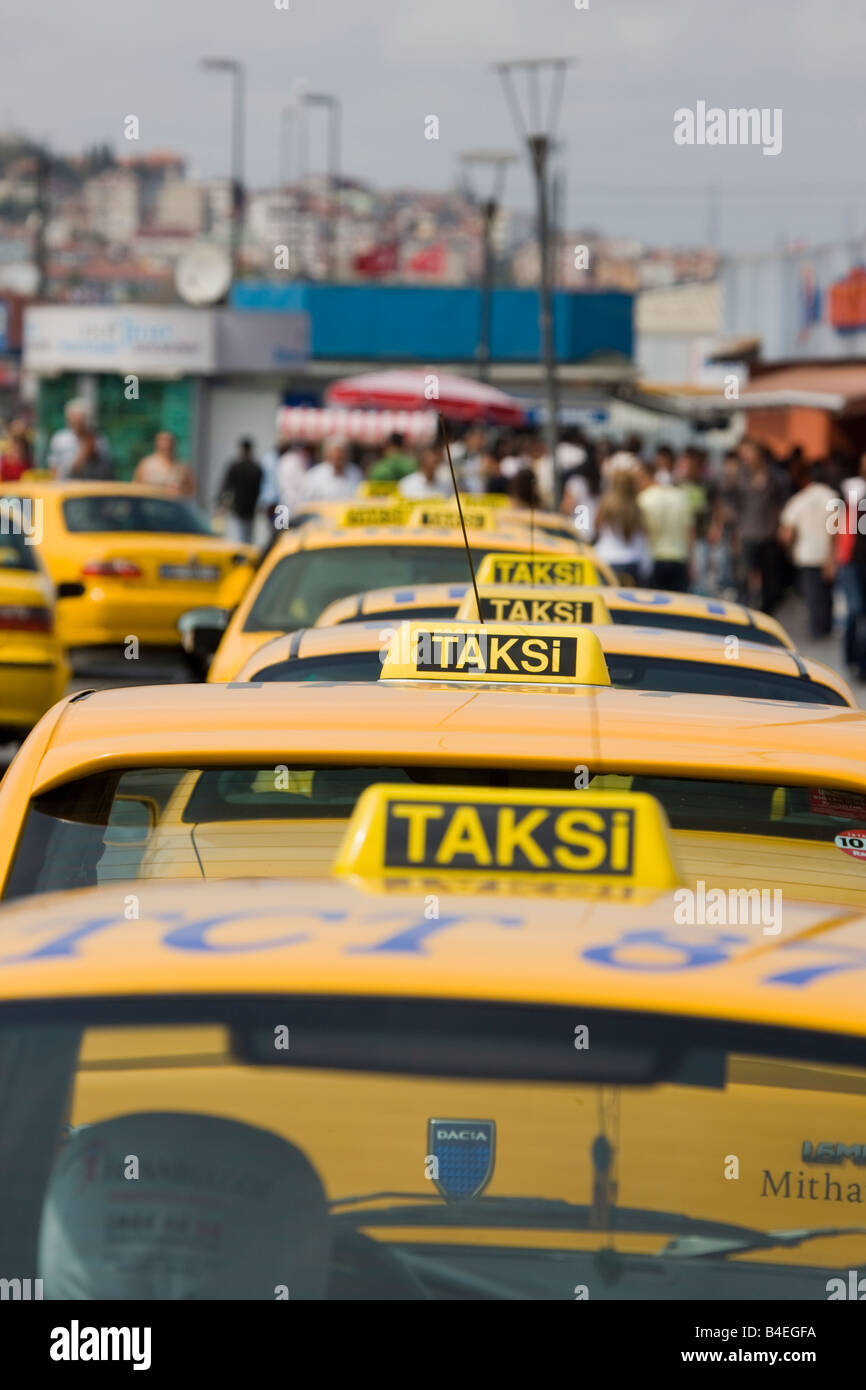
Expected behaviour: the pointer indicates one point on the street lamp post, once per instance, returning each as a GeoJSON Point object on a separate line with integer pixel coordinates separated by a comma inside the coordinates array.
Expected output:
{"type": "Point", "coordinates": [333, 157]}
{"type": "Point", "coordinates": [237, 153]}
{"type": "Point", "coordinates": [538, 132]}
{"type": "Point", "coordinates": [497, 161]}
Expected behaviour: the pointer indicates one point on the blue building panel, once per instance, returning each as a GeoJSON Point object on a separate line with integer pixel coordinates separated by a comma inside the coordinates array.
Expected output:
{"type": "Point", "coordinates": [397, 323]}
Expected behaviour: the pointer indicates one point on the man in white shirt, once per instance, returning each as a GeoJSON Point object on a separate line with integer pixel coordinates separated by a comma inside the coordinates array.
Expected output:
{"type": "Point", "coordinates": [75, 450]}
{"type": "Point", "coordinates": [804, 526]}
{"type": "Point", "coordinates": [432, 478]}
{"type": "Point", "coordinates": [334, 478]}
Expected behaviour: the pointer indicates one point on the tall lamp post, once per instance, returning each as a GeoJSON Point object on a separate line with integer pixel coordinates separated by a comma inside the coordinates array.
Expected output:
{"type": "Point", "coordinates": [538, 129]}
{"type": "Point", "coordinates": [237, 152]}
{"type": "Point", "coordinates": [497, 162]}
{"type": "Point", "coordinates": [332, 103]}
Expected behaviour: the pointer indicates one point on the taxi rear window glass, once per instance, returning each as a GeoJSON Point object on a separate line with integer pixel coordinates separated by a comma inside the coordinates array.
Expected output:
{"type": "Point", "coordinates": [283, 819]}
{"type": "Point", "coordinates": [716, 678]}
{"type": "Point", "coordinates": [15, 553]}
{"type": "Point", "coordinates": [694, 622]}
{"type": "Point", "coordinates": [258, 1159]}
{"type": "Point", "coordinates": [131, 513]}
{"type": "Point", "coordinates": [301, 586]}
{"type": "Point", "coordinates": [629, 672]}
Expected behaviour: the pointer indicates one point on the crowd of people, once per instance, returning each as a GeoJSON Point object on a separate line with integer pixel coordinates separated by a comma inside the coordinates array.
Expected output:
{"type": "Point", "coordinates": [747, 526]}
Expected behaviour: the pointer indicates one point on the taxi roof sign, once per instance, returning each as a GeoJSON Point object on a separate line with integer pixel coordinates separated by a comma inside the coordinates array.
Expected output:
{"type": "Point", "coordinates": [369, 512]}
{"type": "Point", "coordinates": [377, 487]}
{"type": "Point", "coordinates": [446, 514]}
{"type": "Point", "coordinates": [502, 603]}
{"type": "Point", "coordinates": [591, 839]}
{"type": "Point", "coordinates": [513, 567]}
{"type": "Point", "coordinates": [518, 654]}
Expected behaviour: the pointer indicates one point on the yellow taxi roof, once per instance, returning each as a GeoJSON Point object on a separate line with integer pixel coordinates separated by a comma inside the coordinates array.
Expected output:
{"type": "Point", "coordinates": [32, 485]}
{"type": "Point", "coordinates": [641, 732]}
{"type": "Point", "coordinates": [234, 939]}
{"type": "Point", "coordinates": [622, 640]}
{"type": "Point", "coordinates": [447, 599]}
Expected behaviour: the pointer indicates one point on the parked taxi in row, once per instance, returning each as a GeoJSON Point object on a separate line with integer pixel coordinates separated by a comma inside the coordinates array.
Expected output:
{"type": "Point", "coordinates": [127, 560]}
{"type": "Point", "coordinates": [240, 779]}
{"type": "Point", "coordinates": [437, 1095]}
{"type": "Point", "coordinates": [33, 668]}
{"type": "Point", "coordinates": [636, 658]}
{"type": "Point", "coordinates": [307, 570]}
{"type": "Point", "coordinates": [510, 601]}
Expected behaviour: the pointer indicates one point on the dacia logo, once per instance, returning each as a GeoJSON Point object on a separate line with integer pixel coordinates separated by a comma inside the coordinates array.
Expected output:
{"type": "Point", "coordinates": [464, 1152]}
{"type": "Point", "coordinates": [829, 1152]}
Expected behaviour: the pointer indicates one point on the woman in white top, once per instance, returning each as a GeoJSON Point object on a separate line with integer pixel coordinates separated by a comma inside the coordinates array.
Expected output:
{"type": "Point", "coordinates": [620, 536]}
{"type": "Point", "coordinates": [161, 469]}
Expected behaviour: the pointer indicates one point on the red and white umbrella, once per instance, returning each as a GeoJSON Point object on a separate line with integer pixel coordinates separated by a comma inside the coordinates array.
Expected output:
{"type": "Point", "coordinates": [309, 424]}
{"type": "Point", "coordinates": [457, 397]}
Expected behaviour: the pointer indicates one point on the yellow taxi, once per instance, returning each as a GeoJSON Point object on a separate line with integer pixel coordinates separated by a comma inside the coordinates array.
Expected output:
{"type": "Point", "coordinates": [520, 602]}
{"type": "Point", "coordinates": [34, 671]}
{"type": "Point", "coordinates": [243, 779]}
{"type": "Point", "coordinates": [306, 570]}
{"type": "Point", "coordinates": [327, 1094]}
{"type": "Point", "coordinates": [636, 658]}
{"type": "Point", "coordinates": [128, 561]}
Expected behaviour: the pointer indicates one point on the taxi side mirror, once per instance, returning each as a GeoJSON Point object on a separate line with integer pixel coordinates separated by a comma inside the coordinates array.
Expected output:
{"type": "Point", "coordinates": [201, 631]}
{"type": "Point", "coordinates": [70, 589]}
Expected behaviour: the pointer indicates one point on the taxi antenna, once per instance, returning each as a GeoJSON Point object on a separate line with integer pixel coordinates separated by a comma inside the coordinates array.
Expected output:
{"type": "Point", "coordinates": [460, 514]}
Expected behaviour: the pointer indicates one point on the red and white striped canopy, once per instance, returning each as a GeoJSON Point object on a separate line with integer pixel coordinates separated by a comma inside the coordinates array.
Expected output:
{"type": "Point", "coordinates": [309, 424]}
{"type": "Point", "coordinates": [457, 397]}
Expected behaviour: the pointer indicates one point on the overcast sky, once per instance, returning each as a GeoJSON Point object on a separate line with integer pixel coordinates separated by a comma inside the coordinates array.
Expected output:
{"type": "Point", "coordinates": [72, 71]}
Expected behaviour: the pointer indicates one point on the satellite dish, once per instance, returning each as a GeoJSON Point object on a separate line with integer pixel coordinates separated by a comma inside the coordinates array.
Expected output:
{"type": "Point", "coordinates": [203, 274]}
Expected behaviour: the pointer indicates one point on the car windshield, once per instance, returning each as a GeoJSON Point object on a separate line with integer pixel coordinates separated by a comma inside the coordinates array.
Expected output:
{"type": "Point", "coordinates": [133, 512]}
{"type": "Point", "coordinates": [636, 672]}
{"type": "Point", "coordinates": [289, 818]}
{"type": "Point", "coordinates": [351, 1149]}
{"type": "Point", "coordinates": [301, 586]}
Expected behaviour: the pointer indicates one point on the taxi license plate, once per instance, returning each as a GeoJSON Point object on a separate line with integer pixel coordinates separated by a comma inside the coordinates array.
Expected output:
{"type": "Point", "coordinates": [206, 574]}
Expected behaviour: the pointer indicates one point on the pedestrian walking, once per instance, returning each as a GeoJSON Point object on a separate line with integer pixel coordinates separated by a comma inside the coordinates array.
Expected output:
{"type": "Point", "coordinates": [240, 490]}
{"type": "Point", "coordinates": [621, 539]}
{"type": "Point", "coordinates": [16, 452]}
{"type": "Point", "coordinates": [164, 470]}
{"type": "Point", "coordinates": [667, 517]}
{"type": "Point", "coordinates": [77, 451]}
{"type": "Point", "coordinates": [334, 478]}
{"type": "Point", "coordinates": [431, 479]}
{"type": "Point", "coordinates": [395, 463]}
{"type": "Point", "coordinates": [761, 502]}
{"type": "Point", "coordinates": [804, 528]}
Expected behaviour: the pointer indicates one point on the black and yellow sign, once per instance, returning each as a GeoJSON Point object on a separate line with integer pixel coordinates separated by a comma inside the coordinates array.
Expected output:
{"type": "Point", "coordinates": [433, 514]}
{"type": "Point", "coordinates": [524, 607]}
{"type": "Point", "coordinates": [495, 652]}
{"type": "Point", "coordinates": [504, 568]}
{"type": "Point", "coordinates": [374, 514]}
{"type": "Point", "coordinates": [377, 487]}
{"type": "Point", "coordinates": [617, 838]}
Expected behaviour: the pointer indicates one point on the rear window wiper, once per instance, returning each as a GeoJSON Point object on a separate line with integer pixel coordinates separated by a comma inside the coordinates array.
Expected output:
{"type": "Point", "coordinates": [538, 1213]}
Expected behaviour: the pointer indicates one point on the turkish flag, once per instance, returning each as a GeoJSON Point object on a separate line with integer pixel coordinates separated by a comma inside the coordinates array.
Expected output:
{"type": "Point", "coordinates": [430, 260]}
{"type": "Point", "coordinates": [381, 260]}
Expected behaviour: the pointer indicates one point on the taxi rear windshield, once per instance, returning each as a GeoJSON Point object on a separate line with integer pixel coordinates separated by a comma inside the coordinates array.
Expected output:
{"type": "Point", "coordinates": [132, 513]}
{"type": "Point", "coordinates": [629, 672]}
{"type": "Point", "coordinates": [288, 819]}
{"type": "Point", "coordinates": [15, 553]}
{"type": "Point", "coordinates": [301, 586]}
{"type": "Point", "coordinates": [303, 1170]}
{"type": "Point", "coordinates": [695, 622]}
